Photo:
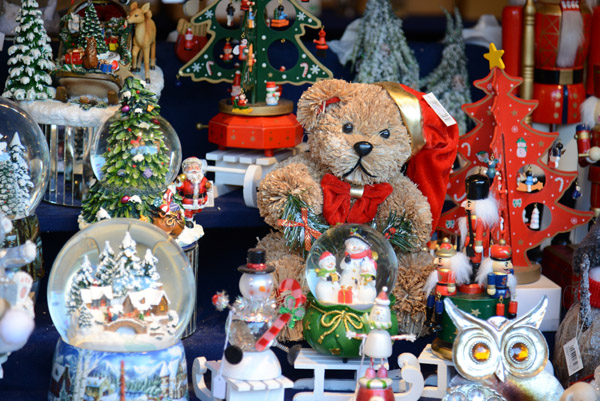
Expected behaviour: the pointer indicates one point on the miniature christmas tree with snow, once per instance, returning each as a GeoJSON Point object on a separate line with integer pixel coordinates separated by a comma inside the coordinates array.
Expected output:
{"type": "Point", "coordinates": [450, 80]}
{"type": "Point", "coordinates": [136, 161]}
{"type": "Point", "coordinates": [381, 52]}
{"type": "Point", "coordinates": [15, 181]}
{"type": "Point", "coordinates": [30, 58]}
{"type": "Point", "coordinates": [90, 27]}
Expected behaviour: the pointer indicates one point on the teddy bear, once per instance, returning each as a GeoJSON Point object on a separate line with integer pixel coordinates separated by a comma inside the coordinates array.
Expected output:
{"type": "Point", "coordinates": [360, 138]}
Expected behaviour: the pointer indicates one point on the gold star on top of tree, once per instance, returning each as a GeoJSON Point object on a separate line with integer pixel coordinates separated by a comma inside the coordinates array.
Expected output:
{"type": "Point", "coordinates": [494, 56]}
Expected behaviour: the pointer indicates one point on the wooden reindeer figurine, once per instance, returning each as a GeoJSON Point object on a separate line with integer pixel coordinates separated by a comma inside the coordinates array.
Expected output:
{"type": "Point", "coordinates": [144, 37]}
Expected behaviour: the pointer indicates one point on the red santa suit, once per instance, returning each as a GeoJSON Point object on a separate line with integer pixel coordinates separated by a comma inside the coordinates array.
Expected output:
{"type": "Point", "coordinates": [194, 196]}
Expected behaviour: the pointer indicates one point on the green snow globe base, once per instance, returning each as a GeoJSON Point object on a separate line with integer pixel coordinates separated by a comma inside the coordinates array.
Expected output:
{"type": "Point", "coordinates": [325, 326]}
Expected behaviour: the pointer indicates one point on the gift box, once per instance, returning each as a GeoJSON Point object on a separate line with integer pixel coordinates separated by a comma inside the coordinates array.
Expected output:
{"type": "Point", "coordinates": [113, 44]}
{"type": "Point", "coordinates": [74, 56]}
{"type": "Point", "coordinates": [345, 296]}
{"type": "Point", "coordinates": [106, 67]}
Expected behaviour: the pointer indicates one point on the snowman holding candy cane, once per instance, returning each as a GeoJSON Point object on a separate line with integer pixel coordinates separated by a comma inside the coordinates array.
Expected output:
{"type": "Point", "coordinates": [256, 318]}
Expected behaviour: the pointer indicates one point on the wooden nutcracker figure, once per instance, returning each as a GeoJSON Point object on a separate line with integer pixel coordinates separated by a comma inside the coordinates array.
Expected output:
{"type": "Point", "coordinates": [588, 142]}
{"type": "Point", "coordinates": [548, 43]}
{"type": "Point", "coordinates": [193, 186]}
{"type": "Point", "coordinates": [452, 268]}
{"type": "Point", "coordinates": [482, 215]}
{"type": "Point", "coordinates": [498, 277]}
{"type": "Point", "coordinates": [227, 55]}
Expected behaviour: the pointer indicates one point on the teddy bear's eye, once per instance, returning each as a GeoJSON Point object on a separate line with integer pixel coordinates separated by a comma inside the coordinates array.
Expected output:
{"type": "Point", "coordinates": [347, 128]}
{"type": "Point", "coordinates": [385, 134]}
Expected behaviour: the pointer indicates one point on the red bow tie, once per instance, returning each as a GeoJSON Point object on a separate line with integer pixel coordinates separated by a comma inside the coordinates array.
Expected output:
{"type": "Point", "coordinates": [336, 201]}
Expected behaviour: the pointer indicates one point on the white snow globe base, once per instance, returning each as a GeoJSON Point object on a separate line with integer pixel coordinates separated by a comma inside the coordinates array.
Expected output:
{"type": "Point", "coordinates": [256, 377]}
{"type": "Point", "coordinates": [80, 374]}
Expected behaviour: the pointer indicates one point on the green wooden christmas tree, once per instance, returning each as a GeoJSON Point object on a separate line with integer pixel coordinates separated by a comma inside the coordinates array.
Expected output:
{"type": "Point", "coordinates": [136, 160]}
{"type": "Point", "coordinates": [256, 32]}
{"type": "Point", "coordinates": [90, 27]}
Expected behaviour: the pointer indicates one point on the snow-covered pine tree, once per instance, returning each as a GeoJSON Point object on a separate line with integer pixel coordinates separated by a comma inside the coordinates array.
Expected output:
{"type": "Point", "coordinates": [64, 395]}
{"type": "Point", "coordinates": [30, 58]}
{"type": "Point", "coordinates": [85, 317]}
{"type": "Point", "coordinates": [449, 81]}
{"type": "Point", "coordinates": [7, 183]}
{"type": "Point", "coordinates": [84, 278]}
{"type": "Point", "coordinates": [127, 268]}
{"type": "Point", "coordinates": [106, 265]}
{"type": "Point", "coordinates": [90, 27]}
{"type": "Point", "coordinates": [20, 196]}
{"type": "Point", "coordinates": [151, 275]}
{"type": "Point", "coordinates": [381, 52]}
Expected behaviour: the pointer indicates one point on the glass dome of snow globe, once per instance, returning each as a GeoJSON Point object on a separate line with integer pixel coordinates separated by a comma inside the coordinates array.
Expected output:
{"type": "Point", "coordinates": [121, 285]}
{"type": "Point", "coordinates": [346, 268]}
{"type": "Point", "coordinates": [24, 161]}
{"type": "Point", "coordinates": [349, 264]}
{"type": "Point", "coordinates": [139, 158]}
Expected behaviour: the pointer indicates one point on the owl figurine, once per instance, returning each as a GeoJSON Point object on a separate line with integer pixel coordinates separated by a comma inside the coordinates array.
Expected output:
{"type": "Point", "coordinates": [506, 356]}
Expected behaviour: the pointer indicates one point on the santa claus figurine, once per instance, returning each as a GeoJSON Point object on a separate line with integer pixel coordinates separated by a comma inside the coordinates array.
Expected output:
{"type": "Point", "coordinates": [482, 215]}
{"type": "Point", "coordinates": [193, 186]}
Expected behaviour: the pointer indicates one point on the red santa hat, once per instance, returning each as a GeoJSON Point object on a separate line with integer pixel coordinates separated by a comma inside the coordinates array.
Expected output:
{"type": "Point", "coordinates": [434, 144]}
{"type": "Point", "coordinates": [325, 254]}
{"type": "Point", "coordinates": [382, 299]}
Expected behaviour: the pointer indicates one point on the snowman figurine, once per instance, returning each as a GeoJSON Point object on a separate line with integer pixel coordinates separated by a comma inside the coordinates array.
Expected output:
{"type": "Point", "coordinates": [329, 280]}
{"type": "Point", "coordinates": [378, 343]}
{"type": "Point", "coordinates": [358, 259]}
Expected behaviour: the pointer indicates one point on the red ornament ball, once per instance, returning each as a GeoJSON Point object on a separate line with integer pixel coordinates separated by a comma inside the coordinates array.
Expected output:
{"type": "Point", "coordinates": [129, 129]}
{"type": "Point", "coordinates": [155, 121]}
{"type": "Point", "coordinates": [134, 166]}
{"type": "Point", "coordinates": [137, 91]}
{"type": "Point", "coordinates": [125, 199]}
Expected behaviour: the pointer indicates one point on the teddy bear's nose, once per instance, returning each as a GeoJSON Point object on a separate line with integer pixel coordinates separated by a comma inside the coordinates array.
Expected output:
{"type": "Point", "coordinates": [363, 148]}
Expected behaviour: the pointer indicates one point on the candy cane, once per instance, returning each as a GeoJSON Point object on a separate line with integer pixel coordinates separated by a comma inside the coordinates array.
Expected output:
{"type": "Point", "coordinates": [468, 145]}
{"type": "Point", "coordinates": [208, 67]}
{"type": "Point", "coordinates": [562, 182]}
{"type": "Point", "coordinates": [296, 291]}
{"type": "Point", "coordinates": [305, 66]}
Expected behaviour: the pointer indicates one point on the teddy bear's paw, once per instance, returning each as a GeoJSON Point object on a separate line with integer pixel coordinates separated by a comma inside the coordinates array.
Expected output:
{"type": "Point", "coordinates": [291, 180]}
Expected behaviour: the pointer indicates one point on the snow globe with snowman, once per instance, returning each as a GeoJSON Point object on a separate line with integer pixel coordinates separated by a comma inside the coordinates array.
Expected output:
{"type": "Point", "coordinates": [121, 293]}
{"type": "Point", "coordinates": [347, 267]}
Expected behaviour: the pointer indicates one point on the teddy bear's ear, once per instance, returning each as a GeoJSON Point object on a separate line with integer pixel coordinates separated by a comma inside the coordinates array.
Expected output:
{"type": "Point", "coordinates": [319, 97]}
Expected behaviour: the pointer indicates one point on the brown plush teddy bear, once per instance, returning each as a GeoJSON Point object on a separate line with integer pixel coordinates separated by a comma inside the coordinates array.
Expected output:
{"type": "Point", "coordinates": [360, 138]}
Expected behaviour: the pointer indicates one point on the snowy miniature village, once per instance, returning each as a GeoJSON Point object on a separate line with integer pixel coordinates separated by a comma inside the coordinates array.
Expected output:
{"type": "Point", "coordinates": [119, 304]}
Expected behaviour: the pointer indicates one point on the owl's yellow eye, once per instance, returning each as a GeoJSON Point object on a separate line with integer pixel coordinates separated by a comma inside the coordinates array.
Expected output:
{"type": "Point", "coordinates": [519, 352]}
{"type": "Point", "coordinates": [480, 352]}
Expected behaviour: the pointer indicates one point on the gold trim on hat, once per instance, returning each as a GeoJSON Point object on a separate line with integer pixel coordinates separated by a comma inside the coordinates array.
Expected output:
{"type": "Point", "coordinates": [410, 110]}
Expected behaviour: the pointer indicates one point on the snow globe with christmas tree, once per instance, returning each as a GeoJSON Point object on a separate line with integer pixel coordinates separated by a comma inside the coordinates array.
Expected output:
{"type": "Point", "coordinates": [135, 157]}
{"type": "Point", "coordinates": [346, 268]}
{"type": "Point", "coordinates": [24, 161]}
{"type": "Point", "coordinates": [121, 293]}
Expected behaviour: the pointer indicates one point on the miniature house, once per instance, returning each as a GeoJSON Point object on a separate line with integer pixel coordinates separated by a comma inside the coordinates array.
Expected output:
{"type": "Point", "coordinates": [148, 301]}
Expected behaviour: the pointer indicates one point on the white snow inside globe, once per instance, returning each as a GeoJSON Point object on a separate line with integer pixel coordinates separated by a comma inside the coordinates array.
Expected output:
{"type": "Point", "coordinates": [24, 161]}
{"type": "Point", "coordinates": [349, 265]}
{"type": "Point", "coordinates": [121, 285]}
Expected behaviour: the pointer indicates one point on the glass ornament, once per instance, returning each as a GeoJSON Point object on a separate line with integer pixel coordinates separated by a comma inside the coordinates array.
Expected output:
{"type": "Point", "coordinates": [141, 301]}
{"type": "Point", "coordinates": [24, 169]}
{"type": "Point", "coordinates": [100, 145]}
{"type": "Point", "coordinates": [349, 264]}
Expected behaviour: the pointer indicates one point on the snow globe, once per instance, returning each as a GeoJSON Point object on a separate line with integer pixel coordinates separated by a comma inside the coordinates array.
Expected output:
{"type": "Point", "coordinates": [347, 267]}
{"type": "Point", "coordinates": [24, 161]}
{"type": "Point", "coordinates": [120, 294]}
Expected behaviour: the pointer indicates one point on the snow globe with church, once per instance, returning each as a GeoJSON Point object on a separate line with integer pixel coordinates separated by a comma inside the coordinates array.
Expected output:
{"type": "Point", "coordinates": [121, 293]}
